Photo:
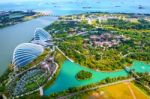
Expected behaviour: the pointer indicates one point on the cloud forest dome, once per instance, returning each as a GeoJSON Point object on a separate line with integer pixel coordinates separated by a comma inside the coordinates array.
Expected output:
{"type": "Point", "coordinates": [26, 53]}
{"type": "Point", "coordinates": [42, 35]}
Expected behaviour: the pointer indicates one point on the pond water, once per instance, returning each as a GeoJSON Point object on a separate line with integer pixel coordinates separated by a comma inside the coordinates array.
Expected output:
{"type": "Point", "coordinates": [66, 78]}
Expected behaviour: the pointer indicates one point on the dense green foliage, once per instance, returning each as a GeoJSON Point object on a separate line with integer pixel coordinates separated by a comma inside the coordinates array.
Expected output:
{"type": "Point", "coordinates": [61, 29]}
{"type": "Point", "coordinates": [59, 57]}
{"type": "Point", "coordinates": [95, 58]}
{"type": "Point", "coordinates": [121, 24]}
{"type": "Point", "coordinates": [98, 58]}
{"type": "Point", "coordinates": [143, 82]}
{"type": "Point", "coordinates": [145, 78]}
{"type": "Point", "coordinates": [13, 17]}
{"type": "Point", "coordinates": [83, 75]}
{"type": "Point", "coordinates": [136, 47]}
{"type": "Point", "coordinates": [3, 80]}
{"type": "Point", "coordinates": [5, 76]}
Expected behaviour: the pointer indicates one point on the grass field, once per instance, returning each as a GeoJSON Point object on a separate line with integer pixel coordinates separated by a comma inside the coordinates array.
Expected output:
{"type": "Point", "coordinates": [125, 90]}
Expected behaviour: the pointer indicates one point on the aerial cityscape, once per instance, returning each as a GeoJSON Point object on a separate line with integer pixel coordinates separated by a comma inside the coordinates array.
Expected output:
{"type": "Point", "coordinates": [81, 49]}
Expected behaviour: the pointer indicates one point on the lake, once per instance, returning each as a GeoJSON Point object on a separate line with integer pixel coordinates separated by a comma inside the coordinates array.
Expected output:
{"type": "Point", "coordinates": [66, 78]}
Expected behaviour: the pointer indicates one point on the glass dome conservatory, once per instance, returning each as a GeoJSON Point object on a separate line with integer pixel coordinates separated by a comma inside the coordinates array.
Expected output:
{"type": "Point", "coordinates": [26, 53]}
{"type": "Point", "coordinates": [42, 35]}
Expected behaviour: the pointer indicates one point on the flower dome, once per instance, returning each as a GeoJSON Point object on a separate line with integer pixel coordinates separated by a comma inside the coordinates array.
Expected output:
{"type": "Point", "coordinates": [42, 35]}
{"type": "Point", "coordinates": [26, 53]}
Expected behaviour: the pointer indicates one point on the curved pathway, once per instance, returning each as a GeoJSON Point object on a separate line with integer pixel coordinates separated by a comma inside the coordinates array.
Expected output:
{"type": "Point", "coordinates": [100, 86]}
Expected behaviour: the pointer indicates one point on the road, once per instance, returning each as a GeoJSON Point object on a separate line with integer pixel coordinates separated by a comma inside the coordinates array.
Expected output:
{"type": "Point", "coordinates": [100, 86]}
{"type": "Point", "coordinates": [64, 54]}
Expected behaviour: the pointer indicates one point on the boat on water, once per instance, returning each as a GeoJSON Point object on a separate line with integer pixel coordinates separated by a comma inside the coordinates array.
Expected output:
{"type": "Point", "coordinates": [117, 6]}
{"type": "Point", "coordinates": [141, 7]}
{"type": "Point", "coordinates": [87, 7]}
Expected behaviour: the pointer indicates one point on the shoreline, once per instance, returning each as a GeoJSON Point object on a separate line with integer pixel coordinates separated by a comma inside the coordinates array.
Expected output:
{"type": "Point", "coordinates": [48, 91]}
{"type": "Point", "coordinates": [24, 18]}
{"type": "Point", "coordinates": [79, 14]}
{"type": "Point", "coordinates": [91, 12]}
{"type": "Point", "coordinates": [31, 24]}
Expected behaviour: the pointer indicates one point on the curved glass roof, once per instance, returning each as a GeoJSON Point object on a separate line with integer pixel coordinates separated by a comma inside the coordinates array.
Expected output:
{"type": "Point", "coordinates": [41, 34]}
{"type": "Point", "coordinates": [26, 53]}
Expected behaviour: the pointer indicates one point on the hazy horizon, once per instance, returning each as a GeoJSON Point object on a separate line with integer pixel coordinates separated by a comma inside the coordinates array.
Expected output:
{"type": "Point", "coordinates": [16, 1]}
